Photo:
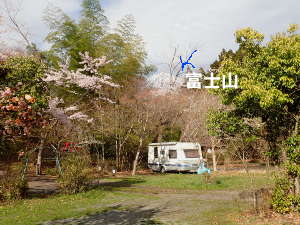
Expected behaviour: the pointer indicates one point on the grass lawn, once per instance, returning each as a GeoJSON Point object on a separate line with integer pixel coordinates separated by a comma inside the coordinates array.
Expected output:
{"type": "Point", "coordinates": [135, 192]}
{"type": "Point", "coordinates": [217, 181]}
{"type": "Point", "coordinates": [35, 211]}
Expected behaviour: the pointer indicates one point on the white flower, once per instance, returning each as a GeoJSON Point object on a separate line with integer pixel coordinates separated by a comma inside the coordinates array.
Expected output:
{"type": "Point", "coordinates": [58, 112]}
{"type": "Point", "coordinates": [78, 116]}
{"type": "Point", "coordinates": [71, 108]}
{"type": "Point", "coordinates": [90, 120]}
{"type": "Point", "coordinates": [165, 83]}
{"type": "Point", "coordinates": [64, 76]}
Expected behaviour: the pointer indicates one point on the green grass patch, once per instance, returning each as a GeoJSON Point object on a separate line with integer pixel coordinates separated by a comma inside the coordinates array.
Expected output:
{"type": "Point", "coordinates": [110, 197]}
{"type": "Point", "coordinates": [35, 211]}
{"type": "Point", "coordinates": [195, 182]}
{"type": "Point", "coordinates": [223, 212]}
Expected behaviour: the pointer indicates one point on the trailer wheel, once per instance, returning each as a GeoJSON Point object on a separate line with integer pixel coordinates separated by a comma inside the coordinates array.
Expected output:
{"type": "Point", "coordinates": [163, 169]}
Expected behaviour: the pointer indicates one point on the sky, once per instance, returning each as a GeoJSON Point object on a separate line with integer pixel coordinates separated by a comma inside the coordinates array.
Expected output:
{"type": "Point", "coordinates": [188, 25]}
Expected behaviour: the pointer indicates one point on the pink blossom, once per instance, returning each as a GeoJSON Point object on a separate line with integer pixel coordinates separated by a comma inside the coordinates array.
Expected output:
{"type": "Point", "coordinates": [6, 93]}
{"type": "Point", "coordinates": [64, 76]}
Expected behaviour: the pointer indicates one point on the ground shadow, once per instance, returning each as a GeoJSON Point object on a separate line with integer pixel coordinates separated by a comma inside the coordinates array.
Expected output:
{"type": "Point", "coordinates": [41, 186]}
{"type": "Point", "coordinates": [111, 185]}
{"type": "Point", "coordinates": [114, 216]}
{"type": "Point", "coordinates": [44, 186]}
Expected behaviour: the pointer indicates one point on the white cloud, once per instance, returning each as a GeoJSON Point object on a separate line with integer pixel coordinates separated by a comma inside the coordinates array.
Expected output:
{"type": "Point", "coordinates": [30, 16]}
{"type": "Point", "coordinates": [207, 26]}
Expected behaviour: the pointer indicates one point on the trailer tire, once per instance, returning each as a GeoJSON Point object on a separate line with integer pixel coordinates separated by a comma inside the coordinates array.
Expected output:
{"type": "Point", "coordinates": [163, 169]}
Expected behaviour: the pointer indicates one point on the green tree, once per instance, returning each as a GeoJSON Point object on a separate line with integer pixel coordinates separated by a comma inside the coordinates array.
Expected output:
{"type": "Point", "coordinates": [93, 19]}
{"type": "Point", "coordinates": [232, 130]}
{"type": "Point", "coordinates": [127, 50]}
{"type": "Point", "coordinates": [69, 38]}
{"type": "Point", "coordinates": [124, 46]}
{"type": "Point", "coordinates": [268, 81]}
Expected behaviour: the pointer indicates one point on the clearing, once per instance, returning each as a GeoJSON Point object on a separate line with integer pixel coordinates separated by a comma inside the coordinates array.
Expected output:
{"type": "Point", "coordinates": [183, 199]}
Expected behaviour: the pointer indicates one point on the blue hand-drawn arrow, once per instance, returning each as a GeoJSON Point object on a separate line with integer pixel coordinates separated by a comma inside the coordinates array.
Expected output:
{"type": "Point", "coordinates": [183, 64]}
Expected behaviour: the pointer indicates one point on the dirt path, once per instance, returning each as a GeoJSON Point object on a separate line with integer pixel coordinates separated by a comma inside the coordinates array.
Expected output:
{"type": "Point", "coordinates": [166, 206]}
{"type": "Point", "coordinates": [42, 185]}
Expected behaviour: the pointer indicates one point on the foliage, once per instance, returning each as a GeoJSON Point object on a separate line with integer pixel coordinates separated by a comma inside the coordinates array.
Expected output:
{"type": "Point", "coordinates": [23, 102]}
{"type": "Point", "coordinates": [51, 171]}
{"type": "Point", "coordinates": [68, 38]}
{"type": "Point", "coordinates": [293, 149]}
{"type": "Point", "coordinates": [127, 50]}
{"type": "Point", "coordinates": [26, 73]}
{"type": "Point", "coordinates": [74, 177]}
{"type": "Point", "coordinates": [268, 80]}
{"type": "Point", "coordinates": [283, 200]}
{"type": "Point", "coordinates": [93, 19]}
{"type": "Point", "coordinates": [225, 124]}
{"type": "Point", "coordinates": [171, 134]}
{"type": "Point", "coordinates": [18, 114]}
{"type": "Point", "coordinates": [85, 83]}
{"type": "Point", "coordinates": [12, 187]}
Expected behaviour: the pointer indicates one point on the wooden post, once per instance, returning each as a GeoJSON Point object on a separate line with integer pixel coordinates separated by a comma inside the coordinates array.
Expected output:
{"type": "Point", "coordinates": [214, 158]}
{"type": "Point", "coordinates": [135, 162]}
{"type": "Point", "coordinates": [213, 145]}
{"type": "Point", "coordinates": [255, 201]}
{"type": "Point", "coordinates": [39, 159]}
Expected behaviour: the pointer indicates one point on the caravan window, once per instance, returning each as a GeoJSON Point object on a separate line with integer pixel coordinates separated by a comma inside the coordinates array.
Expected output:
{"type": "Point", "coordinates": [191, 153]}
{"type": "Point", "coordinates": [155, 152]}
{"type": "Point", "coordinates": [172, 154]}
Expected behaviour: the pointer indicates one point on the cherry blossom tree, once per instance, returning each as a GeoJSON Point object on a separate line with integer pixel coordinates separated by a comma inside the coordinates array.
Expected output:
{"type": "Point", "coordinates": [87, 78]}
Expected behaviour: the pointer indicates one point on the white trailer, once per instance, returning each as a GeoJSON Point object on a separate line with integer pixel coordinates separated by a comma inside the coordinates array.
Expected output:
{"type": "Point", "coordinates": [174, 156]}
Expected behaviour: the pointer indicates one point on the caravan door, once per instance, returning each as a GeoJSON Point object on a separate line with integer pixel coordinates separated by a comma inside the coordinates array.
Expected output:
{"type": "Point", "coordinates": [156, 159]}
{"type": "Point", "coordinates": [173, 159]}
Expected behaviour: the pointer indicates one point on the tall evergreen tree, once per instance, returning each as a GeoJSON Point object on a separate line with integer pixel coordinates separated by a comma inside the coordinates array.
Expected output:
{"type": "Point", "coordinates": [93, 20]}
{"type": "Point", "coordinates": [69, 38]}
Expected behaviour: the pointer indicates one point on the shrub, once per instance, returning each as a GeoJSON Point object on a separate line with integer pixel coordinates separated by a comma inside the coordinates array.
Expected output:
{"type": "Point", "coordinates": [283, 200]}
{"type": "Point", "coordinates": [285, 197]}
{"type": "Point", "coordinates": [12, 187]}
{"type": "Point", "coordinates": [52, 171]}
{"type": "Point", "coordinates": [74, 177]}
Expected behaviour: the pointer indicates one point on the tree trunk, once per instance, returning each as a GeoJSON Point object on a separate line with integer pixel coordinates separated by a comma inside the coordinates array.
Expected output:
{"type": "Point", "coordinates": [244, 161]}
{"type": "Point", "coordinates": [297, 186]}
{"type": "Point", "coordinates": [98, 158]}
{"type": "Point", "coordinates": [117, 154]}
{"type": "Point", "coordinates": [103, 153]}
{"type": "Point", "coordinates": [135, 162]}
{"type": "Point", "coordinates": [296, 125]}
{"type": "Point", "coordinates": [214, 158]}
{"type": "Point", "coordinates": [283, 155]}
{"type": "Point", "coordinates": [226, 162]}
{"type": "Point", "coordinates": [159, 134]}
{"type": "Point", "coordinates": [39, 159]}
{"type": "Point", "coordinates": [296, 183]}
{"type": "Point", "coordinates": [268, 164]}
